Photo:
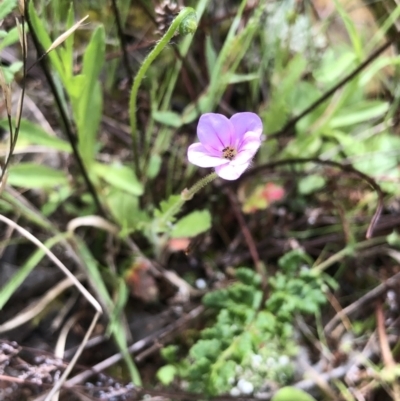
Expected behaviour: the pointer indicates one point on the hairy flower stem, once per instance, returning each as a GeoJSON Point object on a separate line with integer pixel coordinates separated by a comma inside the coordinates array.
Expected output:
{"type": "Point", "coordinates": [175, 204]}
{"type": "Point", "coordinates": [185, 22]}
{"type": "Point", "coordinates": [188, 194]}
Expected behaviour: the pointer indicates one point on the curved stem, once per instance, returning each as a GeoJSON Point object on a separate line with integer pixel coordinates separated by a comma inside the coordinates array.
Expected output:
{"type": "Point", "coordinates": [176, 24]}
{"type": "Point", "coordinates": [188, 194]}
{"type": "Point", "coordinates": [347, 251]}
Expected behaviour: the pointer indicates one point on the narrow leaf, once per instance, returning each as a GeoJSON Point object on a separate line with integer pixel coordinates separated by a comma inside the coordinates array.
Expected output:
{"type": "Point", "coordinates": [168, 118]}
{"type": "Point", "coordinates": [45, 39]}
{"type": "Point", "coordinates": [6, 6]}
{"type": "Point", "coordinates": [88, 109]}
{"type": "Point", "coordinates": [36, 135]}
{"type": "Point", "coordinates": [30, 175]}
{"type": "Point", "coordinates": [119, 176]}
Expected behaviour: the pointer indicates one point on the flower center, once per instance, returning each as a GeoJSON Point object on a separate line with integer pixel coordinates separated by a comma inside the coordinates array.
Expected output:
{"type": "Point", "coordinates": [229, 153]}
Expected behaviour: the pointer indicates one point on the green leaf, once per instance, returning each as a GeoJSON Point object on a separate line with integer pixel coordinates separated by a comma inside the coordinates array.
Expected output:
{"type": "Point", "coordinates": [122, 296]}
{"type": "Point", "coordinates": [6, 6]}
{"type": "Point", "coordinates": [45, 40]}
{"type": "Point", "coordinates": [94, 275]}
{"type": "Point", "coordinates": [393, 239]}
{"type": "Point", "coordinates": [376, 66]}
{"type": "Point", "coordinates": [193, 224]}
{"type": "Point", "coordinates": [88, 108]}
{"type": "Point", "coordinates": [248, 277]}
{"type": "Point", "coordinates": [154, 166]}
{"type": "Point", "coordinates": [360, 113]}
{"type": "Point", "coordinates": [351, 30]}
{"type": "Point", "coordinates": [168, 118]}
{"type": "Point", "coordinates": [165, 215]}
{"type": "Point", "coordinates": [98, 284]}
{"type": "Point", "coordinates": [119, 176]}
{"type": "Point", "coordinates": [30, 175]}
{"type": "Point", "coordinates": [76, 87]}
{"type": "Point", "coordinates": [125, 209]}
{"type": "Point", "coordinates": [169, 353]}
{"type": "Point", "coordinates": [10, 71]}
{"type": "Point", "coordinates": [239, 78]}
{"type": "Point", "coordinates": [36, 135]}
{"type": "Point", "coordinates": [166, 374]}
{"type": "Point", "coordinates": [67, 51]}
{"type": "Point", "coordinates": [311, 183]}
{"type": "Point", "coordinates": [211, 55]}
{"type": "Point", "coordinates": [166, 205]}
{"type": "Point", "coordinates": [288, 91]}
{"type": "Point", "coordinates": [292, 74]}
{"type": "Point", "coordinates": [55, 199]}
{"type": "Point", "coordinates": [93, 58]}
{"type": "Point", "coordinates": [291, 394]}
{"type": "Point", "coordinates": [343, 62]}
{"type": "Point", "coordinates": [209, 349]}
{"type": "Point", "coordinates": [11, 38]}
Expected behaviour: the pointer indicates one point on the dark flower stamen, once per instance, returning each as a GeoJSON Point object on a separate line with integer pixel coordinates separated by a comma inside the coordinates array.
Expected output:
{"type": "Point", "coordinates": [229, 153]}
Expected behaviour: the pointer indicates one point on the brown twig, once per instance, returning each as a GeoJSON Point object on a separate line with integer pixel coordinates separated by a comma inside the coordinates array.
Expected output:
{"type": "Point", "coordinates": [134, 348]}
{"type": "Point", "coordinates": [14, 133]}
{"type": "Point", "coordinates": [387, 356]}
{"type": "Point", "coordinates": [122, 40]}
{"type": "Point", "coordinates": [247, 235]}
{"type": "Point", "coordinates": [339, 311]}
{"type": "Point", "coordinates": [367, 298]}
{"type": "Point", "coordinates": [344, 167]}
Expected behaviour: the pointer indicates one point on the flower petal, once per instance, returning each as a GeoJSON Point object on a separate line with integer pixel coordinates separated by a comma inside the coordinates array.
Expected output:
{"type": "Point", "coordinates": [200, 156]}
{"type": "Point", "coordinates": [245, 122]}
{"type": "Point", "coordinates": [215, 132]}
{"type": "Point", "coordinates": [250, 144]}
{"type": "Point", "coordinates": [230, 171]}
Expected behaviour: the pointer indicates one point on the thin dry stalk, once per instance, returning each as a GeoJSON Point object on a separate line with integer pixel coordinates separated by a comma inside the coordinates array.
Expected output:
{"type": "Point", "coordinates": [77, 284]}
{"type": "Point", "coordinates": [64, 36]}
{"type": "Point", "coordinates": [54, 258]}
{"type": "Point", "coordinates": [34, 309]}
{"type": "Point", "coordinates": [387, 356]}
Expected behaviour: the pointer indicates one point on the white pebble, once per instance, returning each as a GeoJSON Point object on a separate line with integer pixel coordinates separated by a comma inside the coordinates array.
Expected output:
{"type": "Point", "coordinates": [271, 362]}
{"type": "Point", "coordinates": [284, 360]}
{"type": "Point", "coordinates": [235, 392]}
{"type": "Point", "coordinates": [245, 387]}
{"type": "Point", "coordinates": [256, 361]}
{"type": "Point", "coordinates": [201, 284]}
{"type": "Point", "coordinates": [238, 369]}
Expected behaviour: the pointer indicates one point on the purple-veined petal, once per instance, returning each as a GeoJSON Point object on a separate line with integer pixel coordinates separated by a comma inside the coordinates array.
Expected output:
{"type": "Point", "coordinates": [215, 132]}
{"type": "Point", "coordinates": [230, 171]}
{"type": "Point", "coordinates": [249, 147]}
{"type": "Point", "coordinates": [245, 122]}
{"type": "Point", "coordinates": [200, 156]}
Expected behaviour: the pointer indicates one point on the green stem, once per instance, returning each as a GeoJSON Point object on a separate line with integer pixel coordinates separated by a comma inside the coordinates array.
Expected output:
{"type": "Point", "coordinates": [176, 206]}
{"type": "Point", "coordinates": [188, 194]}
{"type": "Point", "coordinates": [349, 250]}
{"type": "Point", "coordinates": [186, 23]}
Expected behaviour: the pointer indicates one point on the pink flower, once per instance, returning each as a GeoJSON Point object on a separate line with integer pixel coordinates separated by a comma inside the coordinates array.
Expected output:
{"type": "Point", "coordinates": [229, 145]}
